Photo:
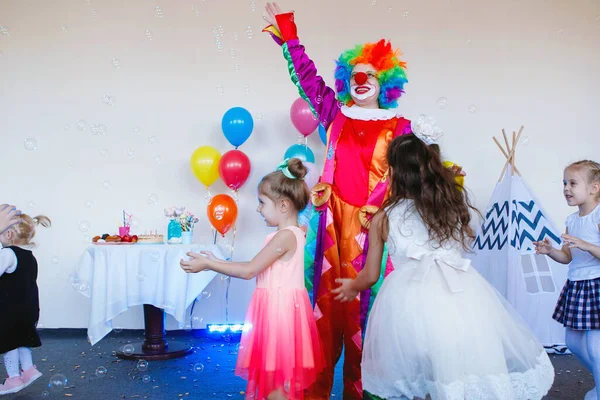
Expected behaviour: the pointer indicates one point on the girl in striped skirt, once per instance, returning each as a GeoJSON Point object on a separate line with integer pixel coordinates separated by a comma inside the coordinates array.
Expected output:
{"type": "Point", "coordinates": [578, 307]}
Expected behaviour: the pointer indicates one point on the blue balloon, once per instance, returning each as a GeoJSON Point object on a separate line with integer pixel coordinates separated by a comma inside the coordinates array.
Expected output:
{"type": "Point", "coordinates": [323, 134]}
{"type": "Point", "coordinates": [237, 125]}
{"type": "Point", "coordinates": [300, 151]}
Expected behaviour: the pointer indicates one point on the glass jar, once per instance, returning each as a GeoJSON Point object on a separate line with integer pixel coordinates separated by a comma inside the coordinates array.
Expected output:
{"type": "Point", "coordinates": [173, 230]}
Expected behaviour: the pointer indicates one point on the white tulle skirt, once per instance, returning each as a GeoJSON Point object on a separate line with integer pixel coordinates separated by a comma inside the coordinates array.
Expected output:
{"type": "Point", "coordinates": [424, 339]}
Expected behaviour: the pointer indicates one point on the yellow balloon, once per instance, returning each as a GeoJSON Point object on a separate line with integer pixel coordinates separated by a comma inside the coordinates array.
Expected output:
{"type": "Point", "coordinates": [205, 164]}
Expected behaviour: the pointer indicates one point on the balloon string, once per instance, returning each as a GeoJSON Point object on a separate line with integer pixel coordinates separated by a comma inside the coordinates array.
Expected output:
{"type": "Point", "coordinates": [192, 314]}
{"type": "Point", "coordinates": [232, 243]}
{"type": "Point", "coordinates": [229, 278]}
{"type": "Point", "coordinates": [215, 240]}
{"type": "Point", "coordinates": [227, 301]}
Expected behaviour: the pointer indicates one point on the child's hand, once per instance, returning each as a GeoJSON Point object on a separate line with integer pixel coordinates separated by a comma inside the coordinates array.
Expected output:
{"type": "Point", "coordinates": [209, 255]}
{"type": "Point", "coordinates": [543, 247]}
{"type": "Point", "coordinates": [345, 292]}
{"type": "Point", "coordinates": [576, 243]}
{"type": "Point", "coordinates": [457, 170]}
{"type": "Point", "coordinates": [9, 216]}
{"type": "Point", "coordinates": [197, 263]}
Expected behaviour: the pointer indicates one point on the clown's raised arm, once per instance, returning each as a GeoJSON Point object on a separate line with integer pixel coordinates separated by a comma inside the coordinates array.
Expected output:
{"type": "Point", "coordinates": [303, 72]}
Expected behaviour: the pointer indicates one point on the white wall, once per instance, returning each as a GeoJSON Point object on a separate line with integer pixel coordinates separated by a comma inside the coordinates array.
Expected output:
{"type": "Point", "coordinates": [533, 63]}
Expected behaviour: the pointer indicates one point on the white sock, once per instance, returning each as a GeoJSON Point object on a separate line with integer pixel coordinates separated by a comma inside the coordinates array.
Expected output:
{"type": "Point", "coordinates": [11, 362]}
{"type": "Point", "coordinates": [25, 358]}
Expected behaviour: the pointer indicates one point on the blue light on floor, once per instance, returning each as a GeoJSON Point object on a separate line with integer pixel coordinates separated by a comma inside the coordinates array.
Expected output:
{"type": "Point", "coordinates": [226, 328]}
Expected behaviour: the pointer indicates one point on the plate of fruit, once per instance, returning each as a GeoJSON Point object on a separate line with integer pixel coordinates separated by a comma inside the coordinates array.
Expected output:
{"type": "Point", "coordinates": [107, 239]}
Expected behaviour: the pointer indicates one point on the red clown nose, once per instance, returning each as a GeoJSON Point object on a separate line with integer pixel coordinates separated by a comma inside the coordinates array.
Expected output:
{"type": "Point", "coordinates": [360, 78]}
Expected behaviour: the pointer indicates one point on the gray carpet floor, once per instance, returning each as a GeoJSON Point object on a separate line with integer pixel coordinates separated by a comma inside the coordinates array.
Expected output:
{"type": "Point", "coordinates": [95, 373]}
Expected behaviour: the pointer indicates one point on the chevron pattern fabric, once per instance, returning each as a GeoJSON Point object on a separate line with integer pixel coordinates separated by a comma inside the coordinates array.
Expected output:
{"type": "Point", "coordinates": [531, 225]}
{"type": "Point", "coordinates": [494, 230]}
{"type": "Point", "coordinates": [527, 224]}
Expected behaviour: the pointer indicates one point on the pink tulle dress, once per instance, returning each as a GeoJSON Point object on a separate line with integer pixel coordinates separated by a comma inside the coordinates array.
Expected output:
{"type": "Point", "coordinates": [280, 347]}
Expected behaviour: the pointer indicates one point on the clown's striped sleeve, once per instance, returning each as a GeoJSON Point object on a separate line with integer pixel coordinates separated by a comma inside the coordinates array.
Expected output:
{"type": "Point", "coordinates": [302, 70]}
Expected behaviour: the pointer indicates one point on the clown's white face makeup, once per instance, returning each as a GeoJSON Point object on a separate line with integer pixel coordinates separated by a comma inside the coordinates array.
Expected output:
{"type": "Point", "coordinates": [364, 86]}
{"type": "Point", "coordinates": [362, 92]}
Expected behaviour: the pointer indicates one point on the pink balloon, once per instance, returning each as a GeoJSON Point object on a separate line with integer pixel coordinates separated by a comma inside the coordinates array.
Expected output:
{"type": "Point", "coordinates": [303, 118]}
{"type": "Point", "coordinates": [312, 176]}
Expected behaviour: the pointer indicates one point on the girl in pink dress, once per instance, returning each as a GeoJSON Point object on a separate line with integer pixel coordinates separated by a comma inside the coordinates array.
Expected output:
{"type": "Point", "coordinates": [280, 353]}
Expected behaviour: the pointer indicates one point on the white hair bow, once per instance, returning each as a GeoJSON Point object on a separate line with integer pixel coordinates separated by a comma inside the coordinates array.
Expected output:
{"type": "Point", "coordinates": [425, 128]}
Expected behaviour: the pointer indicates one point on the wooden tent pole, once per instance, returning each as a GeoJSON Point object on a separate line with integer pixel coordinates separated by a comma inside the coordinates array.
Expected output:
{"type": "Point", "coordinates": [505, 140]}
{"type": "Point", "coordinates": [514, 148]}
{"type": "Point", "coordinates": [510, 152]}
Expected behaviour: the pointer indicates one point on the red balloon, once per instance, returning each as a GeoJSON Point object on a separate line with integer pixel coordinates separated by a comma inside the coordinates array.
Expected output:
{"type": "Point", "coordinates": [234, 168]}
{"type": "Point", "coordinates": [222, 212]}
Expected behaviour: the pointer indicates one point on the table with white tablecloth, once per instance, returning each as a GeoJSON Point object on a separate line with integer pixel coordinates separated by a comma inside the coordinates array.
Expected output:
{"type": "Point", "coordinates": [117, 277]}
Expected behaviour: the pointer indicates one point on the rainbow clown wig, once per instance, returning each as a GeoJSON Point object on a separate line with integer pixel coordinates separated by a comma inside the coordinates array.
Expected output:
{"type": "Point", "coordinates": [391, 71]}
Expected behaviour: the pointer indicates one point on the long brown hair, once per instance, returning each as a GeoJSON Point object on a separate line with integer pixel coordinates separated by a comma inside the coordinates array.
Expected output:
{"type": "Point", "coordinates": [417, 173]}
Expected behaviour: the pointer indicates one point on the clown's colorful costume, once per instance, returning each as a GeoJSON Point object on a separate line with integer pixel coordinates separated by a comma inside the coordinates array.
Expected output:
{"type": "Point", "coordinates": [352, 186]}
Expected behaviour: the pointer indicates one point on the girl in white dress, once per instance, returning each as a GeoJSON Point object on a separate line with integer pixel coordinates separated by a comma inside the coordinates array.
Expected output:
{"type": "Point", "coordinates": [437, 327]}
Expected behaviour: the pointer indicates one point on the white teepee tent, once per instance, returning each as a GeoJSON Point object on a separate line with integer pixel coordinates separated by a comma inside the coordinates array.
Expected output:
{"type": "Point", "coordinates": [505, 255]}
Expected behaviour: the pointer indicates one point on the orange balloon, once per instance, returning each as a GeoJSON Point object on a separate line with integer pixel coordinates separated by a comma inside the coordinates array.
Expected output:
{"type": "Point", "coordinates": [222, 212]}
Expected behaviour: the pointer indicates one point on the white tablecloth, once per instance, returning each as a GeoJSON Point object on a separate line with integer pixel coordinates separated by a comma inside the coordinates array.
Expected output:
{"type": "Point", "coordinates": [116, 277]}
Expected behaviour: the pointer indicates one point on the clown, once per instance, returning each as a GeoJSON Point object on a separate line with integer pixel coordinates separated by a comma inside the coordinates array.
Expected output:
{"type": "Point", "coordinates": [361, 121]}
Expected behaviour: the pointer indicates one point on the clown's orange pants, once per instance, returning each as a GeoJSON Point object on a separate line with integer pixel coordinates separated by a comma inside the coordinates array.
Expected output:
{"type": "Point", "coordinates": [339, 323]}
